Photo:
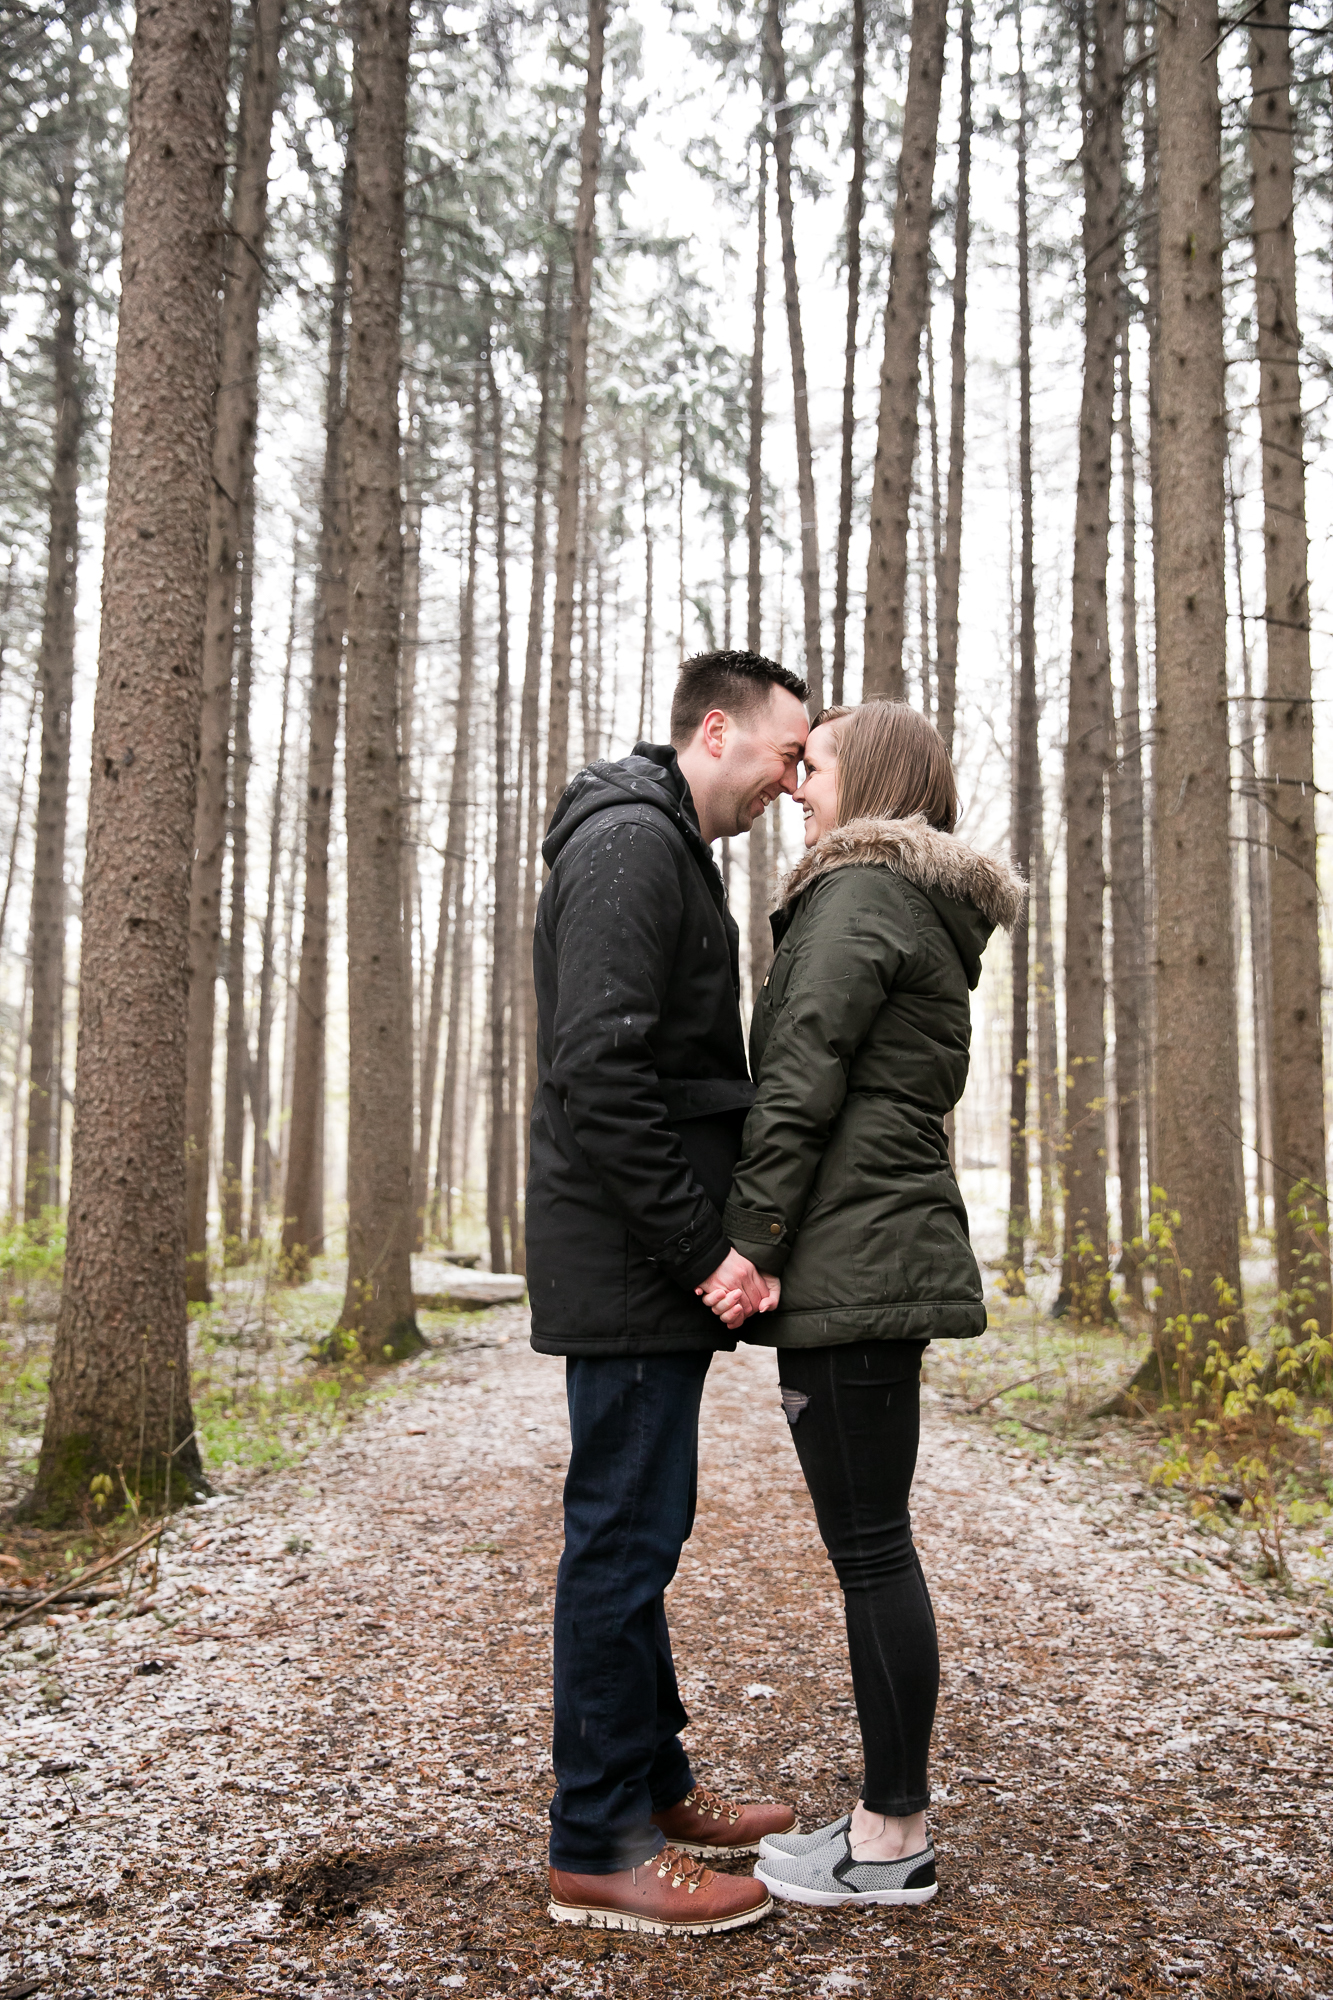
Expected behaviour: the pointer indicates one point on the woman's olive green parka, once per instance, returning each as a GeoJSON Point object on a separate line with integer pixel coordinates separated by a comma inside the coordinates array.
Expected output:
{"type": "Point", "coordinates": [859, 1048]}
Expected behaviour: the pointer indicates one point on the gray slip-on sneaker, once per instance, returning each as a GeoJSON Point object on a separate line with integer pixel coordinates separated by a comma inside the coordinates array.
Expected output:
{"type": "Point", "coordinates": [829, 1876]}
{"type": "Point", "coordinates": [803, 1843]}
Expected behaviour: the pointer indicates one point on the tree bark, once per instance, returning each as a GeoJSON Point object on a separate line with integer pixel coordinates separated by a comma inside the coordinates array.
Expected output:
{"type": "Point", "coordinates": [55, 677]}
{"type": "Point", "coordinates": [1128, 887]}
{"type": "Point", "coordinates": [1296, 1066]}
{"type": "Point", "coordinates": [759, 936]}
{"type": "Point", "coordinates": [575, 410]}
{"type": "Point", "coordinates": [1026, 771]}
{"type": "Point", "coordinates": [377, 1311]}
{"type": "Point", "coordinates": [855, 210]}
{"type": "Point", "coordinates": [900, 371]}
{"type": "Point", "coordinates": [261, 1186]}
{"type": "Point", "coordinates": [455, 859]}
{"type": "Point", "coordinates": [233, 445]}
{"type": "Point", "coordinates": [500, 1150]}
{"type": "Point", "coordinates": [1085, 1273]}
{"type": "Point", "coordinates": [120, 1388]}
{"type": "Point", "coordinates": [237, 1075]}
{"type": "Point", "coordinates": [1195, 1027]}
{"type": "Point", "coordinates": [951, 563]}
{"type": "Point", "coordinates": [303, 1197]}
{"type": "Point", "coordinates": [805, 475]}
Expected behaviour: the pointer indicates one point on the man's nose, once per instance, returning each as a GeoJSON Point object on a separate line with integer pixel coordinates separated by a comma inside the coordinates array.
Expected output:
{"type": "Point", "coordinates": [789, 780]}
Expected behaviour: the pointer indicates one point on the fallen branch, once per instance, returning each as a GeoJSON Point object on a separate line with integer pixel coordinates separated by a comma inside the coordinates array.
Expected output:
{"type": "Point", "coordinates": [970, 1409]}
{"type": "Point", "coordinates": [1306, 1721]}
{"type": "Point", "coordinates": [71, 1595]}
{"type": "Point", "coordinates": [76, 1582]}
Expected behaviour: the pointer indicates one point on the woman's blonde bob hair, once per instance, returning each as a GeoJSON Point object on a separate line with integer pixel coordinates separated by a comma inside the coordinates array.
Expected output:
{"type": "Point", "coordinates": [892, 764]}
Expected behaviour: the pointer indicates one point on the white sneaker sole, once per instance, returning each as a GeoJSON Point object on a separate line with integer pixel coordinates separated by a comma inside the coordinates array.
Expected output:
{"type": "Point", "coordinates": [826, 1899]}
{"type": "Point", "coordinates": [624, 1920]}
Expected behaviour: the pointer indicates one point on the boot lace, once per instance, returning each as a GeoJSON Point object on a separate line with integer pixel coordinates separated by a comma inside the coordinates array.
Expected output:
{"type": "Point", "coordinates": [712, 1805]}
{"type": "Point", "coordinates": [684, 1871]}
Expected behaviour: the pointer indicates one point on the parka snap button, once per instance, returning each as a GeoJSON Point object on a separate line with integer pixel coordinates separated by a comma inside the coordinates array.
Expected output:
{"type": "Point", "coordinates": [775, 1229]}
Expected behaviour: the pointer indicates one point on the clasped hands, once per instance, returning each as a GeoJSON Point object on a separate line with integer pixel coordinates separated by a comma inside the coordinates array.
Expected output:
{"type": "Point", "coordinates": [736, 1290]}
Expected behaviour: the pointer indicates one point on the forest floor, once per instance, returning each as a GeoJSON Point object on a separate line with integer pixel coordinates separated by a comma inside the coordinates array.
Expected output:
{"type": "Point", "coordinates": [310, 1753]}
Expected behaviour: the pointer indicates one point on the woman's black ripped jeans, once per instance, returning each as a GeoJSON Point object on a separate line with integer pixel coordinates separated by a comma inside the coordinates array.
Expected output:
{"type": "Point", "coordinates": [855, 1418]}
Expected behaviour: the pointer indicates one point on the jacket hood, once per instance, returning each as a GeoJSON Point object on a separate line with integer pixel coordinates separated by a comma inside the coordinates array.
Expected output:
{"type": "Point", "coordinates": [649, 776]}
{"type": "Point", "coordinates": [972, 893]}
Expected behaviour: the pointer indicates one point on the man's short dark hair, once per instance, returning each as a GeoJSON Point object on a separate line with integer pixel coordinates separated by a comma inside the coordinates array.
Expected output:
{"type": "Point", "coordinates": [738, 683]}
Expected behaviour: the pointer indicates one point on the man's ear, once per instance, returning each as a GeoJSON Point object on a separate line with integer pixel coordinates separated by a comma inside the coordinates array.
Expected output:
{"type": "Point", "coordinates": [714, 727]}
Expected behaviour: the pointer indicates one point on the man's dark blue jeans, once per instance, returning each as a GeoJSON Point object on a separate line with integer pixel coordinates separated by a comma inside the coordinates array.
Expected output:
{"type": "Point", "coordinates": [629, 1508]}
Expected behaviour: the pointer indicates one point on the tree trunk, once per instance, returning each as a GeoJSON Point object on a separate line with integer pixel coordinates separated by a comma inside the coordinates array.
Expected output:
{"type": "Point", "coordinates": [233, 445]}
{"type": "Point", "coordinates": [855, 209]}
{"type": "Point", "coordinates": [576, 404]}
{"type": "Point", "coordinates": [1128, 888]}
{"type": "Point", "coordinates": [17, 1122]}
{"type": "Point", "coordinates": [1255, 849]}
{"type": "Point", "coordinates": [261, 1186]}
{"type": "Point", "coordinates": [951, 564]}
{"type": "Point", "coordinates": [377, 1311]}
{"type": "Point", "coordinates": [120, 1385]}
{"type": "Point", "coordinates": [923, 581]}
{"type": "Point", "coordinates": [303, 1198]}
{"type": "Point", "coordinates": [1085, 1273]}
{"type": "Point", "coordinates": [900, 372]}
{"type": "Point", "coordinates": [237, 1076]}
{"type": "Point", "coordinates": [529, 731]}
{"type": "Point", "coordinates": [759, 936]}
{"type": "Point", "coordinates": [1195, 1028]}
{"type": "Point", "coordinates": [15, 835]}
{"type": "Point", "coordinates": [500, 1152]}
{"type": "Point", "coordinates": [457, 1047]}
{"type": "Point", "coordinates": [1026, 770]}
{"type": "Point", "coordinates": [646, 664]}
{"type": "Point", "coordinates": [1296, 1066]}
{"type": "Point", "coordinates": [1050, 1124]}
{"type": "Point", "coordinates": [55, 676]}
{"type": "Point", "coordinates": [409, 646]}
{"type": "Point", "coordinates": [805, 475]}
{"type": "Point", "coordinates": [455, 848]}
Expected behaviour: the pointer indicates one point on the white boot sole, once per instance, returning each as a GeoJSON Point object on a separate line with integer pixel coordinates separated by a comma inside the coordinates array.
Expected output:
{"type": "Point", "coordinates": [703, 1852]}
{"type": "Point", "coordinates": [624, 1920]}
{"type": "Point", "coordinates": [825, 1899]}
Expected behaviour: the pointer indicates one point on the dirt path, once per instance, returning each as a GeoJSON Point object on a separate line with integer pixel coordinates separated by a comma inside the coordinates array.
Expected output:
{"type": "Point", "coordinates": [340, 1704]}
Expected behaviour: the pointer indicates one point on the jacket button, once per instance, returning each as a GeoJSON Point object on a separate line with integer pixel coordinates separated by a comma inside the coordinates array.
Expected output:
{"type": "Point", "coordinates": [684, 1246]}
{"type": "Point", "coordinates": [775, 1229]}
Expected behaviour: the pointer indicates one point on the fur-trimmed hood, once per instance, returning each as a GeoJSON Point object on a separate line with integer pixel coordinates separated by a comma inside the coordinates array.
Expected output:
{"type": "Point", "coordinates": [923, 856]}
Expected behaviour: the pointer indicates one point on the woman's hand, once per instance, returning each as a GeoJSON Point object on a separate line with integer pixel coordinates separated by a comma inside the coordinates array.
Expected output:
{"type": "Point", "coordinates": [736, 1290]}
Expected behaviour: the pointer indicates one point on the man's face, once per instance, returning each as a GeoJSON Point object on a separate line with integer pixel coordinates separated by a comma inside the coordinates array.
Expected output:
{"type": "Point", "coordinates": [760, 756]}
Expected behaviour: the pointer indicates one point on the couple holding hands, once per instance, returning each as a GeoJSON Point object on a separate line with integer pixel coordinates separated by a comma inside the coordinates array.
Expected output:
{"type": "Point", "coordinates": [674, 1204]}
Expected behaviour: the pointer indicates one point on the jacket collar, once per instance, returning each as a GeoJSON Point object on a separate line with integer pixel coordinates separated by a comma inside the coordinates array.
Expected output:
{"type": "Point", "coordinates": [922, 855]}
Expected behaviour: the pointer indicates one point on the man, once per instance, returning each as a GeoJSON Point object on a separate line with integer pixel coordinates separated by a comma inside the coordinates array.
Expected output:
{"type": "Point", "coordinates": [642, 1089]}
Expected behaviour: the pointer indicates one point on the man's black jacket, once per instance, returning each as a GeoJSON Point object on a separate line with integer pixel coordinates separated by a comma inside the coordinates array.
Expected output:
{"type": "Point", "coordinates": [642, 1081]}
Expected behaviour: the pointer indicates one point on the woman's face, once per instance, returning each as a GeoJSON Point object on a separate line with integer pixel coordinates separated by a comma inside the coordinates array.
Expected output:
{"type": "Point", "coordinates": [817, 793]}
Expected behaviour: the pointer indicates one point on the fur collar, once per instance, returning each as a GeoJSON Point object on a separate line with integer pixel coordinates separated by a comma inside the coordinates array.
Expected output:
{"type": "Point", "coordinates": [925, 856]}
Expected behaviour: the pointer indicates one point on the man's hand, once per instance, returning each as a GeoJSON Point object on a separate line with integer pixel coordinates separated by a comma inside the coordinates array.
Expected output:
{"type": "Point", "coordinates": [736, 1290]}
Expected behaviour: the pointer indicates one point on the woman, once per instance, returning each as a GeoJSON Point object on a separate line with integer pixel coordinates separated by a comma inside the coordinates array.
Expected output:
{"type": "Point", "coordinates": [845, 1198]}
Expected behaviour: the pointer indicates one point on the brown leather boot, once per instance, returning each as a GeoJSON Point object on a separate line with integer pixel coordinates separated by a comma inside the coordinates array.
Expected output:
{"type": "Point", "coordinates": [706, 1824]}
{"type": "Point", "coordinates": [669, 1894]}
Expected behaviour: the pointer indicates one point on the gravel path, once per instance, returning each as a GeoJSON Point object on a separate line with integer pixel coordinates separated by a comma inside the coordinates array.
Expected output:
{"type": "Point", "coordinates": [318, 1762]}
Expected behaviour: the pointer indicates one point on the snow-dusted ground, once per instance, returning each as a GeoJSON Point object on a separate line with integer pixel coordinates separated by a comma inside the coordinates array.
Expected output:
{"type": "Point", "coordinates": [348, 1661]}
